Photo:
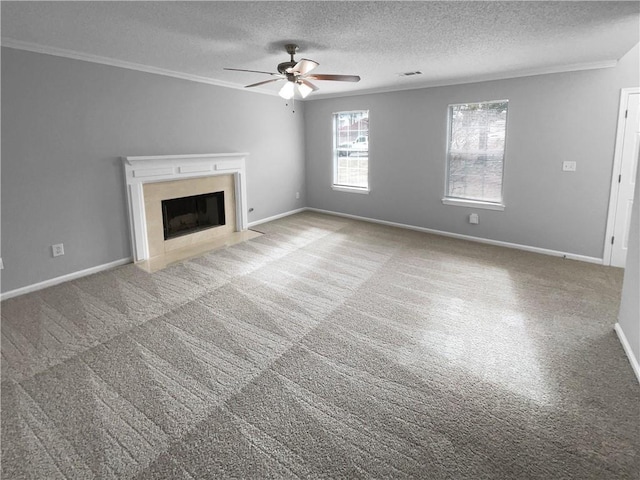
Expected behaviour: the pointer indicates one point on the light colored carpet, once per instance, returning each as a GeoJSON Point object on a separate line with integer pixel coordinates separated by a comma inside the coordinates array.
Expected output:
{"type": "Point", "coordinates": [326, 348]}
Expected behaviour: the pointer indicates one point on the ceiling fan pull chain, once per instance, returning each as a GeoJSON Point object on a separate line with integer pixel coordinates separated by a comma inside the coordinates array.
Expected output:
{"type": "Point", "coordinates": [293, 105]}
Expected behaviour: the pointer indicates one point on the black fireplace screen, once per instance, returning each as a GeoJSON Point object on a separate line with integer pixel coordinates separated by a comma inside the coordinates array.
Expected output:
{"type": "Point", "coordinates": [185, 215]}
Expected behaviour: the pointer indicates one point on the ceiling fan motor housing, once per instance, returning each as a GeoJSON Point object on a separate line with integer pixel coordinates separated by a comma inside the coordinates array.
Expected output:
{"type": "Point", "coordinates": [282, 67]}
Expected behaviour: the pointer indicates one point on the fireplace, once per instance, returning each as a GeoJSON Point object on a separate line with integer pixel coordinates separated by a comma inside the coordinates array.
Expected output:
{"type": "Point", "coordinates": [152, 180]}
{"type": "Point", "coordinates": [186, 215]}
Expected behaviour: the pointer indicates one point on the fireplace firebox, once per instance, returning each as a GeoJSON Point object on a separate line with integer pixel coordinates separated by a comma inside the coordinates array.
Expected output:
{"type": "Point", "coordinates": [182, 216]}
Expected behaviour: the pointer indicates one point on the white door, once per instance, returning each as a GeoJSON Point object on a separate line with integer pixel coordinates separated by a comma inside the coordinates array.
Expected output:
{"type": "Point", "coordinates": [624, 178]}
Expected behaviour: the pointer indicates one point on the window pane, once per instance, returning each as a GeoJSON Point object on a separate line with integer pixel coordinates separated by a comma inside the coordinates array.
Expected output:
{"type": "Point", "coordinates": [476, 150]}
{"type": "Point", "coordinates": [351, 149]}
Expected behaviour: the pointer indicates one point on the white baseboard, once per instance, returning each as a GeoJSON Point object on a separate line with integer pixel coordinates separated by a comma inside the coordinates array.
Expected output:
{"type": "Point", "coordinates": [64, 278]}
{"type": "Point", "coordinates": [82, 273]}
{"type": "Point", "coordinates": [544, 251]}
{"type": "Point", "coordinates": [275, 217]}
{"type": "Point", "coordinates": [107, 266]}
{"type": "Point", "coordinates": [627, 349]}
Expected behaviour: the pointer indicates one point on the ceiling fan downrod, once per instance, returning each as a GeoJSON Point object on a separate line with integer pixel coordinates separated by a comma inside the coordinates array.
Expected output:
{"type": "Point", "coordinates": [291, 49]}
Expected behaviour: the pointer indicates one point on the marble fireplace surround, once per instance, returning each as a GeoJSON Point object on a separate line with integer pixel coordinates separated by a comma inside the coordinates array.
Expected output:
{"type": "Point", "coordinates": [141, 171]}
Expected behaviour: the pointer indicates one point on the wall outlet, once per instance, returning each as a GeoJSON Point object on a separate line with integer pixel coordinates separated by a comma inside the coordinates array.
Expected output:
{"type": "Point", "coordinates": [297, 195]}
{"type": "Point", "coordinates": [569, 166]}
{"type": "Point", "coordinates": [57, 249]}
{"type": "Point", "coordinates": [474, 219]}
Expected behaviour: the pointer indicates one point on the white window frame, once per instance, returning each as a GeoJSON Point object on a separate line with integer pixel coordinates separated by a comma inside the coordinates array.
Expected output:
{"type": "Point", "coordinates": [334, 156]}
{"type": "Point", "coordinates": [468, 202]}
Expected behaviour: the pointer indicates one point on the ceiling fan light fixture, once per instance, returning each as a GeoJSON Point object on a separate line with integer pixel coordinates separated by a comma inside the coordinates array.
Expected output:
{"type": "Point", "coordinates": [304, 90]}
{"type": "Point", "coordinates": [287, 91]}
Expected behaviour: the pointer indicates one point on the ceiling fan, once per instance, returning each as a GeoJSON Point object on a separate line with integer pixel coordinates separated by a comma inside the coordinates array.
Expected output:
{"type": "Point", "coordinates": [297, 75]}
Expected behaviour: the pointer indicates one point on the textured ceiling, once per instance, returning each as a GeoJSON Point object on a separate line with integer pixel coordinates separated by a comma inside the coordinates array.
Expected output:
{"type": "Point", "coordinates": [449, 42]}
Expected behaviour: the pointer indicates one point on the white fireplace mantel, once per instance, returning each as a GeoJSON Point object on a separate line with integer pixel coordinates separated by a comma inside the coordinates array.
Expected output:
{"type": "Point", "coordinates": [163, 168]}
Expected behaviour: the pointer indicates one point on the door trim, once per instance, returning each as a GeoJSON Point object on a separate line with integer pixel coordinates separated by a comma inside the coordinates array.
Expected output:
{"type": "Point", "coordinates": [625, 93]}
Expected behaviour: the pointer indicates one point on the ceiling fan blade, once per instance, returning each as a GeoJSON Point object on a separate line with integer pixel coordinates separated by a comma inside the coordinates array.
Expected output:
{"type": "Point", "coordinates": [251, 71]}
{"type": "Point", "coordinates": [304, 66]}
{"type": "Point", "coordinates": [308, 84]}
{"type": "Point", "coordinates": [263, 83]}
{"type": "Point", "coordinates": [328, 76]}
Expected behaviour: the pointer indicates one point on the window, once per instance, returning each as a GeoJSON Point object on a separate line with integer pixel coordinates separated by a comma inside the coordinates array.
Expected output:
{"type": "Point", "coordinates": [475, 155]}
{"type": "Point", "coordinates": [351, 151]}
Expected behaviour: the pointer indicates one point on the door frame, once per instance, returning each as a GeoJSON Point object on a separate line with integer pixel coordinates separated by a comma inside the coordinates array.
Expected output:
{"type": "Point", "coordinates": [625, 93]}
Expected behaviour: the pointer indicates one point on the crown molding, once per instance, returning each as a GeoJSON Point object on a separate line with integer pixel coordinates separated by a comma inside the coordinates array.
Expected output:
{"type": "Point", "coordinates": [530, 72]}
{"type": "Point", "coordinates": [61, 52]}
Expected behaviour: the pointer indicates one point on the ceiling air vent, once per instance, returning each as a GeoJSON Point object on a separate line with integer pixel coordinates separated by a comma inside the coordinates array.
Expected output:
{"type": "Point", "coordinates": [410, 74]}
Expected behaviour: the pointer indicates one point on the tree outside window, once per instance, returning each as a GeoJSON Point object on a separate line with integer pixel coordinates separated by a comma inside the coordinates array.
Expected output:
{"type": "Point", "coordinates": [476, 148]}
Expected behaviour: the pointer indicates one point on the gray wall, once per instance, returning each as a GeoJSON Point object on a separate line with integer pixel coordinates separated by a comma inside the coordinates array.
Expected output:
{"type": "Point", "coordinates": [555, 117]}
{"type": "Point", "coordinates": [65, 125]}
{"type": "Point", "coordinates": [629, 316]}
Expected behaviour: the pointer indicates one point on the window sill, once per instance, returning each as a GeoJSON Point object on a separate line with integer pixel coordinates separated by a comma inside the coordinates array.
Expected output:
{"type": "Point", "coordinates": [343, 188]}
{"type": "Point", "coordinates": [473, 203]}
